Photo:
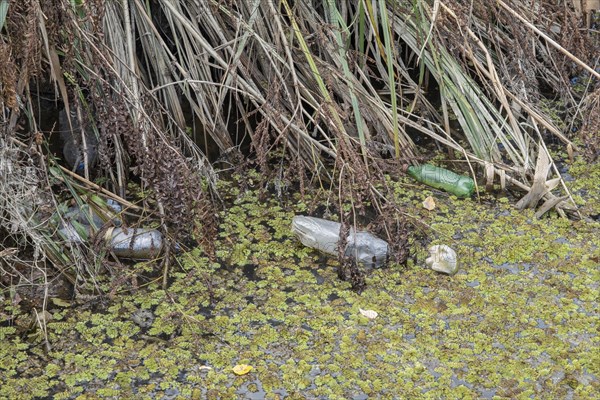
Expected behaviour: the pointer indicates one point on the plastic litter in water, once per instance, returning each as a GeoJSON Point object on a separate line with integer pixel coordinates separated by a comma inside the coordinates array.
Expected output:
{"type": "Point", "coordinates": [324, 235]}
{"type": "Point", "coordinates": [440, 178]}
{"type": "Point", "coordinates": [138, 243]}
{"type": "Point", "coordinates": [442, 259]}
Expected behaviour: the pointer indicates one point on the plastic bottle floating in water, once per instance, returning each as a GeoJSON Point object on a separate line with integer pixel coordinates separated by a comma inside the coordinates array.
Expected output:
{"type": "Point", "coordinates": [440, 178]}
{"type": "Point", "coordinates": [324, 235]}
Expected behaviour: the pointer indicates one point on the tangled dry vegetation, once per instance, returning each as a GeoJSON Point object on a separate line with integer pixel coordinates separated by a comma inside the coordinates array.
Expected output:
{"type": "Point", "coordinates": [331, 94]}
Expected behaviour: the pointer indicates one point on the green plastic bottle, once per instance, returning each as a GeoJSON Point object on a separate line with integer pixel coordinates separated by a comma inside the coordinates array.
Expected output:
{"type": "Point", "coordinates": [440, 178]}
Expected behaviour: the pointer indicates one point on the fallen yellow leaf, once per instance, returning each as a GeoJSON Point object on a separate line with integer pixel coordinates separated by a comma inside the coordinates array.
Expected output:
{"type": "Point", "coordinates": [242, 369]}
{"type": "Point", "coordinates": [429, 203]}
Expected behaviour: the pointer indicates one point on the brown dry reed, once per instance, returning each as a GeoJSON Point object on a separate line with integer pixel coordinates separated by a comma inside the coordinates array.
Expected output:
{"type": "Point", "coordinates": [337, 93]}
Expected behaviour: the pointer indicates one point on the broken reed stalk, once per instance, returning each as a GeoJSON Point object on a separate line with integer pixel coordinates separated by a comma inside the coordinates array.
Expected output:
{"type": "Point", "coordinates": [549, 40]}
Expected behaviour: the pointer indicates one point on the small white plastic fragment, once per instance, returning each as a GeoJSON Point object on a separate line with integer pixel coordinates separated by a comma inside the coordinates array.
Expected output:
{"type": "Point", "coordinates": [368, 313]}
{"type": "Point", "coordinates": [442, 259]}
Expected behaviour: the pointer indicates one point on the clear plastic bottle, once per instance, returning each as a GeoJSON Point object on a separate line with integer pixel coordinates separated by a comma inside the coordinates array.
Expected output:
{"type": "Point", "coordinates": [79, 223]}
{"type": "Point", "coordinates": [137, 243]}
{"type": "Point", "coordinates": [324, 235]}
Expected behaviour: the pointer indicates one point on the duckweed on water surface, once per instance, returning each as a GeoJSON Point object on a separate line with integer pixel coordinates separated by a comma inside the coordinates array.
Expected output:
{"type": "Point", "coordinates": [520, 318]}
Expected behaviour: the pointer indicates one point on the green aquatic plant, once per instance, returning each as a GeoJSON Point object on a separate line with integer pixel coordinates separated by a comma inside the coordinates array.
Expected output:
{"type": "Point", "coordinates": [517, 319]}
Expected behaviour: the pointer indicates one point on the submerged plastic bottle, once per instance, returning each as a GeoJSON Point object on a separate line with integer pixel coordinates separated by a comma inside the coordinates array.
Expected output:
{"type": "Point", "coordinates": [440, 178]}
{"type": "Point", "coordinates": [79, 223]}
{"type": "Point", "coordinates": [89, 216]}
{"type": "Point", "coordinates": [138, 243]}
{"type": "Point", "coordinates": [134, 243]}
{"type": "Point", "coordinates": [324, 235]}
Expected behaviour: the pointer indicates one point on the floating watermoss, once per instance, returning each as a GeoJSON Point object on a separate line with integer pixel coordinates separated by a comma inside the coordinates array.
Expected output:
{"type": "Point", "coordinates": [433, 335]}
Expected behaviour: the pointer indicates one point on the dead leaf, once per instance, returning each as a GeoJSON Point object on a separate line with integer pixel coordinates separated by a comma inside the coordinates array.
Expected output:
{"type": "Point", "coordinates": [361, 337]}
{"type": "Point", "coordinates": [16, 299]}
{"type": "Point", "coordinates": [429, 203]}
{"type": "Point", "coordinates": [60, 302]}
{"type": "Point", "coordinates": [241, 369]}
{"type": "Point", "coordinates": [42, 317]}
{"type": "Point", "coordinates": [368, 313]}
